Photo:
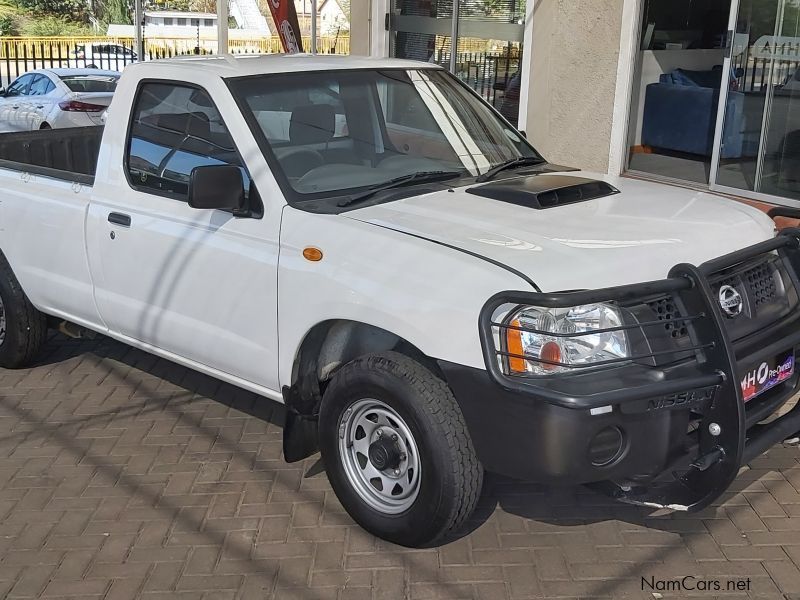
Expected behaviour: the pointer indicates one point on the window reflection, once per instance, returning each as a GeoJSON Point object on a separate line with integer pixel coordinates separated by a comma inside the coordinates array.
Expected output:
{"type": "Point", "coordinates": [175, 129]}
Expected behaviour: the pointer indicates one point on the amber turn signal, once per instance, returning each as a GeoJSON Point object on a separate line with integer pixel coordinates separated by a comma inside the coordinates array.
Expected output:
{"type": "Point", "coordinates": [514, 343]}
{"type": "Point", "coordinates": [312, 254]}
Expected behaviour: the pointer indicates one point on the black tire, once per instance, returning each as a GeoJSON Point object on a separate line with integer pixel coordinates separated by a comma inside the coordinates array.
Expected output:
{"type": "Point", "coordinates": [25, 327]}
{"type": "Point", "coordinates": [451, 476]}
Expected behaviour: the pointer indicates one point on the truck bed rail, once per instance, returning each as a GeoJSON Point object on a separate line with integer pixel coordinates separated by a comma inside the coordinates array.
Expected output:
{"type": "Point", "coordinates": [70, 154]}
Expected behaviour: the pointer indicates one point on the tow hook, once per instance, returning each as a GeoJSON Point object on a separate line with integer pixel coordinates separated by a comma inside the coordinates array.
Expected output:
{"type": "Point", "coordinates": [703, 463]}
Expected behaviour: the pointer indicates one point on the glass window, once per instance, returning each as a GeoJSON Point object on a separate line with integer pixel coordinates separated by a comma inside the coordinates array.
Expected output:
{"type": "Point", "coordinates": [91, 83]}
{"type": "Point", "coordinates": [675, 96]}
{"type": "Point", "coordinates": [168, 20]}
{"type": "Point", "coordinates": [338, 131]}
{"type": "Point", "coordinates": [195, 22]}
{"type": "Point", "coordinates": [19, 87]}
{"type": "Point", "coordinates": [41, 85]}
{"type": "Point", "coordinates": [174, 129]}
{"type": "Point", "coordinates": [181, 21]}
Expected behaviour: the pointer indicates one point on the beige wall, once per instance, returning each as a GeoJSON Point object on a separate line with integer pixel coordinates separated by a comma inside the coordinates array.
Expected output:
{"type": "Point", "coordinates": [360, 27]}
{"type": "Point", "coordinates": [573, 80]}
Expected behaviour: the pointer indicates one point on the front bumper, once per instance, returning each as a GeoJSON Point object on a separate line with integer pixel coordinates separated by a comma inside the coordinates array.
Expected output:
{"type": "Point", "coordinates": [683, 427]}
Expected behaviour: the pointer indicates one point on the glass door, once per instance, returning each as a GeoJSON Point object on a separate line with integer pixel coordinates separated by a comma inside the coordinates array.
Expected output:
{"type": "Point", "coordinates": [479, 41]}
{"type": "Point", "coordinates": [757, 147]}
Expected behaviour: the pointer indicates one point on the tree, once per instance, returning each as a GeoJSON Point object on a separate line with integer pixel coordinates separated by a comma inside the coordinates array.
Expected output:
{"type": "Point", "coordinates": [75, 10]}
{"type": "Point", "coordinates": [8, 25]}
{"type": "Point", "coordinates": [115, 11]}
{"type": "Point", "coordinates": [206, 6]}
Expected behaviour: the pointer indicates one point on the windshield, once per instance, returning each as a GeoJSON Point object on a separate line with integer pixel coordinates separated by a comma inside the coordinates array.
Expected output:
{"type": "Point", "coordinates": [91, 83]}
{"type": "Point", "coordinates": [334, 132]}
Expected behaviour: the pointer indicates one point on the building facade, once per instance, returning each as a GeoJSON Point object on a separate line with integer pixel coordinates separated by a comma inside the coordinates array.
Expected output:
{"type": "Point", "coordinates": [705, 93]}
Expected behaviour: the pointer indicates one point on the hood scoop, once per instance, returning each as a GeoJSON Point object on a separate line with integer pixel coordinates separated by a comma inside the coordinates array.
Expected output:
{"type": "Point", "coordinates": [544, 191]}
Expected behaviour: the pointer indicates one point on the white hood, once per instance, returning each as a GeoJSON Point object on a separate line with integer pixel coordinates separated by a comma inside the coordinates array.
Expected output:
{"type": "Point", "coordinates": [634, 236]}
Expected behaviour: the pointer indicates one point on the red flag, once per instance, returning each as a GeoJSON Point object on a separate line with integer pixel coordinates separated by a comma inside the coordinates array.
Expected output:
{"type": "Point", "coordinates": [285, 17]}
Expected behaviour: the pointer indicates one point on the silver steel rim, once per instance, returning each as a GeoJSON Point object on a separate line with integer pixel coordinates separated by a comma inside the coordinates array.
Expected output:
{"type": "Point", "coordinates": [365, 425]}
{"type": "Point", "coordinates": [2, 322]}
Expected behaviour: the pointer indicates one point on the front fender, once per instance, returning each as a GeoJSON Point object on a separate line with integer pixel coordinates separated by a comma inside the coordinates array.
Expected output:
{"type": "Point", "coordinates": [429, 295]}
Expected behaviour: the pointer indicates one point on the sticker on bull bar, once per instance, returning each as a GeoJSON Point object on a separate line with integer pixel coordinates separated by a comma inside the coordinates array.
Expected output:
{"type": "Point", "coordinates": [767, 375]}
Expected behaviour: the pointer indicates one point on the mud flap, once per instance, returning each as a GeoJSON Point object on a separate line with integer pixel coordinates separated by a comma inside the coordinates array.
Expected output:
{"type": "Point", "coordinates": [300, 429]}
{"type": "Point", "coordinates": [299, 437]}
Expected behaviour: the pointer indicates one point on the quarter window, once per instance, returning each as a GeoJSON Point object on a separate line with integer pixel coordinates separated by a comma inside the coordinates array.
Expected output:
{"type": "Point", "coordinates": [174, 129]}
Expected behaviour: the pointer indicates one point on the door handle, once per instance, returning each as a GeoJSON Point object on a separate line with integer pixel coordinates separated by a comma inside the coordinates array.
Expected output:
{"type": "Point", "coordinates": [15, 106]}
{"type": "Point", "coordinates": [119, 219]}
{"type": "Point", "coordinates": [40, 106]}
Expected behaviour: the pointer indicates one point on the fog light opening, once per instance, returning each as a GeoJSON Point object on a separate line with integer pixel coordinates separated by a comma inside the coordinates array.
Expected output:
{"type": "Point", "coordinates": [607, 446]}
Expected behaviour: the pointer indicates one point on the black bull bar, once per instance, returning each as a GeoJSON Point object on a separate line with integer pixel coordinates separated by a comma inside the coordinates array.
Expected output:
{"type": "Point", "coordinates": [729, 434]}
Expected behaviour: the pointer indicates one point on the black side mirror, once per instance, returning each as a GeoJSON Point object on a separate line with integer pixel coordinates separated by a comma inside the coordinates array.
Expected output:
{"type": "Point", "coordinates": [217, 187]}
{"type": "Point", "coordinates": [2, 92]}
{"type": "Point", "coordinates": [523, 134]}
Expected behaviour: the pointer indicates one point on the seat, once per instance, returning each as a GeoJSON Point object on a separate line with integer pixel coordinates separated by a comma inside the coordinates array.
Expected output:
{"type": "Point", "coordinates": [312, 124]}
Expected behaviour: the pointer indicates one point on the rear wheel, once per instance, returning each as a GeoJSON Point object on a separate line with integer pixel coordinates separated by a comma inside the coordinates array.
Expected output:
{"type": "Point", "coordinates": [397, 450]}
{"type": "Point", "coordinates": [23, 329]}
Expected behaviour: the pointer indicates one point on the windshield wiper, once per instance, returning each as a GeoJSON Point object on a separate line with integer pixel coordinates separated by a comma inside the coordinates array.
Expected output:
{"type": "Point", "coordinates": [521, 161]}
{"type": "Point", "coordinates": [418, 177]}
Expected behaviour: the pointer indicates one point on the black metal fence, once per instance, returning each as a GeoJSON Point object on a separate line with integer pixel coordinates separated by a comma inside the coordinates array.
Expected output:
{"type": "Point", "coordinates": [753, 73]}
{"type": "Point", "coordinates": [488, 73]}
{"type": "Point", "coordinates": [17, 59]}
{"type": "Point", "coordinates": [493, 75]}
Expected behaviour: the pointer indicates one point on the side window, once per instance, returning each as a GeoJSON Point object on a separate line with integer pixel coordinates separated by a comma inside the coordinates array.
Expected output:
{"type": "Point", "coordinates": [19, 87]}
{"type": "Point", "coordinates": [174, 129]}
{"type": "Point", "coordinates": [41, 85]}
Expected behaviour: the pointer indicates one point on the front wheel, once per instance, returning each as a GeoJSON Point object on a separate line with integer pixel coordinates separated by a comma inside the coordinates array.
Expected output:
{"type": "Point", "coordinates": [397, 450]}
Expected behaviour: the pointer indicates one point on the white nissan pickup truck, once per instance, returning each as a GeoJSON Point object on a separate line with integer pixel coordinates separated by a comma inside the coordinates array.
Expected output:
{"type": "Point", "coordinates": [370, 243]}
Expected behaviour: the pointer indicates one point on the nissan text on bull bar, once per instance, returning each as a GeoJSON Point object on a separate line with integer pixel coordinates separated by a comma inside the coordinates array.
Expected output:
{"type": "Point", "coordinates": [370, 243]}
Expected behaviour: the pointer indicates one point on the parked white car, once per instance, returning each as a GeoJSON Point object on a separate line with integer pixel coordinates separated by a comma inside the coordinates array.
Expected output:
{"type": "Point", "coordinates": [372, 244]}
{"type": "Point", "coordinates": [56, 98]}
{"type": "Point", "coordinates": [101, 56]}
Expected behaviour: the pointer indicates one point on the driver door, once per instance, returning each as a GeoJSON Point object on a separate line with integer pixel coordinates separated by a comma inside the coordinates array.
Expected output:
{"type": "Point", "coordinates": [199, 284]}
{"type": "Point", "coordinates": [39, 102]}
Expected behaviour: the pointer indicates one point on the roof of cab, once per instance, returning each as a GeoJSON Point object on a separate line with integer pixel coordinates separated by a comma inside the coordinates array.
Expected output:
{"type": "Point", "coordinates": [242, 66]}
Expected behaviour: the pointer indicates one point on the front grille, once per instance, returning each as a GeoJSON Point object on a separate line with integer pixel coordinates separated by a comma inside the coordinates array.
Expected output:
{"type": "Point", "coordinates": [766, 292]}
{"type": "Point", "coordinates": [666, 310]}
{"type": "Point", "coordinates": [761, 281]}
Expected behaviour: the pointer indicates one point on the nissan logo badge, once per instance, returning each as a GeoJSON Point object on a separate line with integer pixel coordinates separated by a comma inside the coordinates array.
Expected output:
{"type": "Point", "coordinates": [730, 300]}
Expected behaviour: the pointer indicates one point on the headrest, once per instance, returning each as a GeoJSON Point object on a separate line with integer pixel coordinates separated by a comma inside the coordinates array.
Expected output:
{"type": "Point", "coordinates": [312, 124]}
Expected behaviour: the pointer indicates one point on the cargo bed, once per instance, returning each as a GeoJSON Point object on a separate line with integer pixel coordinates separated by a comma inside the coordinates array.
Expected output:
{"type": "Point", "coordinates": [69, 154]}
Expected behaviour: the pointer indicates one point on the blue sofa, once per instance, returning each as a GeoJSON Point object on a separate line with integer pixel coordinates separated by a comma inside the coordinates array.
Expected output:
{"type": "Point", "coordinates": [680, 114]}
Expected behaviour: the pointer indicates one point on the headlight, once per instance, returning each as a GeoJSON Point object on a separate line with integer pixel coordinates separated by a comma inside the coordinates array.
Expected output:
{"type": "Point", "coordinates": [552, 340]}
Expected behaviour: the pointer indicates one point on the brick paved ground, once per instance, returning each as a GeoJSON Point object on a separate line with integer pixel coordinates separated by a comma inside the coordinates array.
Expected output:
{"type": "Point", "coordinates": [124, 476]}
